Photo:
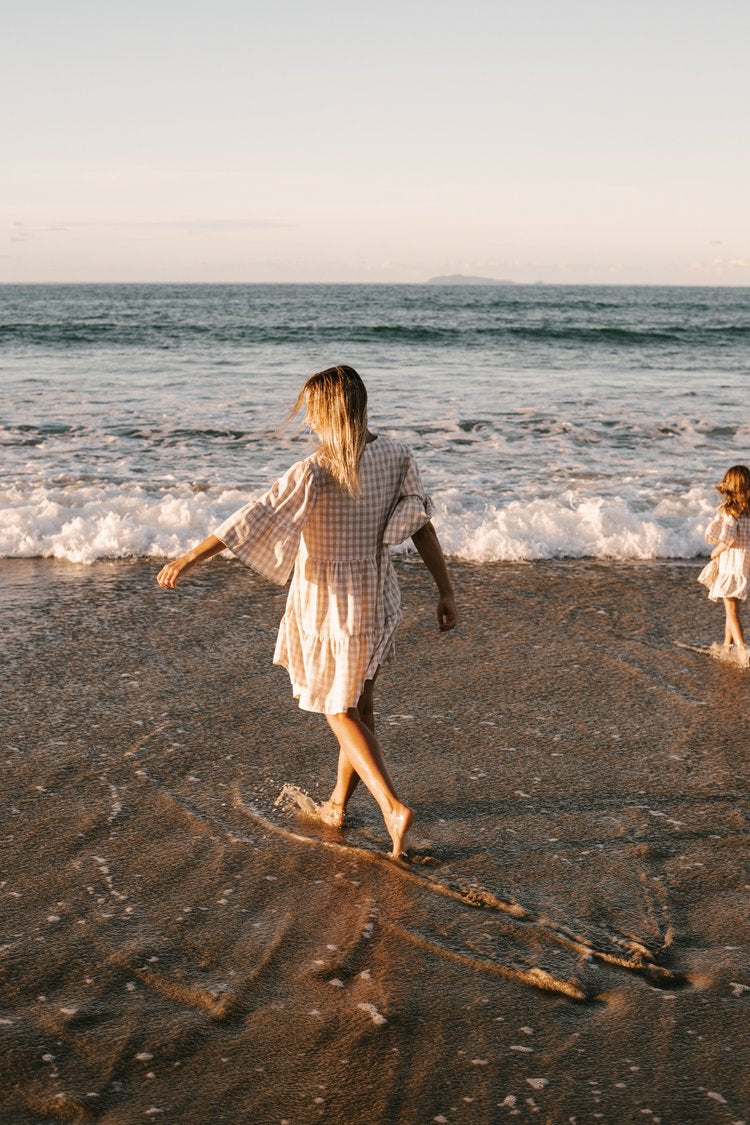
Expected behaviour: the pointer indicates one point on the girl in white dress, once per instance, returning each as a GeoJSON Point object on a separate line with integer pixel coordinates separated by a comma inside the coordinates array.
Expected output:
{"type": "Point", "coordinates": [728, 573]}
{"type": "Point", "coordinates": [331, 519]}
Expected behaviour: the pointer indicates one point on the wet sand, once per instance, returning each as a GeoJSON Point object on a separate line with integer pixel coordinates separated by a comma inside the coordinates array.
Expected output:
{"type": "Point", "coordinates": [569, 942]}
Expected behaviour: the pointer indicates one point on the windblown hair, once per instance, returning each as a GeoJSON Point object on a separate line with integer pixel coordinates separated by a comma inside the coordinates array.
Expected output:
{"type": "Point", "coordinates": [734, 487]}
{"type": "Point", "coordinates": [335, 402]}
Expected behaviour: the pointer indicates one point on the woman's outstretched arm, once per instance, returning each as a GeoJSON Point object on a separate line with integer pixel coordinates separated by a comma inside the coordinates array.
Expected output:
{"type": "Point", "coordinates": [170, 573]}
{"type": "Point", "coordinates": [428, 545]}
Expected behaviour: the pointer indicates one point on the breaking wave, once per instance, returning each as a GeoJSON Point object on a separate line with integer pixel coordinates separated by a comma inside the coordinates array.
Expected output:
{"type": "Point", "coordinates": [86, 522]}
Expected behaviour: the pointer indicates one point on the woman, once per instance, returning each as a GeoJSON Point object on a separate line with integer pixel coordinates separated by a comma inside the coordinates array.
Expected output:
{"type": "Point", "coordinates": [331, 518]}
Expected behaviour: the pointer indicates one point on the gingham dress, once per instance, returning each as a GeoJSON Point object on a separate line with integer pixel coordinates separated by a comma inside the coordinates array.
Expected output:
{"type": "Point", "coordinates": [727, 576]}
{"type": "Point", "coordinates": [344, 605]}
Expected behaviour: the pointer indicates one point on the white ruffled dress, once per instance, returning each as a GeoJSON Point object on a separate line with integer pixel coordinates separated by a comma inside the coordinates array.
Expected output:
{"type": "Point", "coordinates": [344, 604]}
{"type": "Point", "coordinates": [728, 575]}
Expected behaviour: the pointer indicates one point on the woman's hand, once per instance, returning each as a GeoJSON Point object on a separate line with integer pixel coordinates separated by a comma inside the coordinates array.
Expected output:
{"type": "Point", "coordinates": [428, 545]}
{"type": "Point", "coordinates": [170, 574]}
{"type": "Point", "coordinates": [446, 612]}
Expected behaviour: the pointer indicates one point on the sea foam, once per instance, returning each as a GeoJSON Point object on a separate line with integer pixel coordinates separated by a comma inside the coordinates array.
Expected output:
{"type": "Point", "coordinates": [86, 522]}
{"type": "Point", "coordinates": [571, 526]}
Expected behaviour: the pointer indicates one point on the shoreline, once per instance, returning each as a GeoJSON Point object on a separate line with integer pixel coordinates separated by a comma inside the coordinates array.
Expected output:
{"type": "Point", "coordinates": [569, 938]}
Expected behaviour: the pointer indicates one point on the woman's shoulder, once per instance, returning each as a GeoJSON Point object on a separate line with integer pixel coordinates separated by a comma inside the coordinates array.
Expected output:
{"type": "Point", "coordinates": [302, 474]}
{"type": "Point", "coordinates": [306, 466]}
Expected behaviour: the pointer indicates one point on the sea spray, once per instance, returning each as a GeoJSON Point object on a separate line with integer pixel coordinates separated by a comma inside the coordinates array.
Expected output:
{"type": "Point", "coordinates": [295, 800]}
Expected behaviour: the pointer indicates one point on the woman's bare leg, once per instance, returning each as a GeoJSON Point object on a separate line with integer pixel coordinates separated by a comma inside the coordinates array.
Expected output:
{"type": "Point", "coordinates": [362, 751]}
{"type": "Point", "coordinates": [727, 631]}
{"type": "Point", "coordinates": [734, 625]}
{"type": "Point", "coordinates": [347, 779]}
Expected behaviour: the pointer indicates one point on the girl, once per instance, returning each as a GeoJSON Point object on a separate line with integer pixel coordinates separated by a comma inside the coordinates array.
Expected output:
{"type": "Point", "coordinates": [331, 518]}
{"type": "Point", "coordinates": [728, 579]}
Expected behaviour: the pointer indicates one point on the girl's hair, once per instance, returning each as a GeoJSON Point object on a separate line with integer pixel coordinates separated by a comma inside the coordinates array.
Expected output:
{"type": "Point", "coordinates": [335, 402]}
{"type": "Point", "coordinates": [734, 487]}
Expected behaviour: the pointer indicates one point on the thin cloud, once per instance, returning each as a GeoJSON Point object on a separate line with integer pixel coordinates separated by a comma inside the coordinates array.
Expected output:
{"type": "Point", "coordinates": [21, 232]}
{"type": "Point", "coordinates": [720, 267]}
{"type": "Point", "coordinates": [187, 224]}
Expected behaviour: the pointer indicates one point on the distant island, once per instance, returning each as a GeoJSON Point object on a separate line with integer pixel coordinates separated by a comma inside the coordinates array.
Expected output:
{"type": "Point", "coordinates": [467, 279]}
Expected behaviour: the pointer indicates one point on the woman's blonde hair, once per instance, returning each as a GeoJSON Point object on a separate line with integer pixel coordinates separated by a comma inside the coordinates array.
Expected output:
{"type": "Point", "coordinates": [734, 487]}
{"type": "Point", "coordinates": [335, 402]}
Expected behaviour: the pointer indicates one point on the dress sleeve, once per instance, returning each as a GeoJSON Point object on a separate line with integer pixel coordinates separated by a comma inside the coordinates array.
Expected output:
{"type": "Point", "coordinates": [265, 534]}
{"type": "Point", "coordinates": [722, 529]}
{"type": "Point", "coordinates": [412, 509]}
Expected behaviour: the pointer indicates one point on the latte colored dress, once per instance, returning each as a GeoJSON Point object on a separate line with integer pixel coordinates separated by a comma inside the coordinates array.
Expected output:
{"type": "Point", "coordinates": [344, 604]}
{"type": "Point", "coordinates": [727, 575]}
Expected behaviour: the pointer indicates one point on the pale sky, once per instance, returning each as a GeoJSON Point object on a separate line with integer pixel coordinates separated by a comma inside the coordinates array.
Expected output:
{"type": "Point", "coordinates": [240, 140]}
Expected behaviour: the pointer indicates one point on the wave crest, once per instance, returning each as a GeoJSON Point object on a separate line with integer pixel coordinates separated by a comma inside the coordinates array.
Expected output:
{"type": "Point", "coordinates": [86, 522]}
{"type": "Point", "coordinates": [572, 526]}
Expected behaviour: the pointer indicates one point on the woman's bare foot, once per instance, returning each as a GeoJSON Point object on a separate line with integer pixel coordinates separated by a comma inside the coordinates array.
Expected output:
{"type": "Point", "coordinates": [398, 824]}
{"type": "Point", "coordinates": [332, 813]}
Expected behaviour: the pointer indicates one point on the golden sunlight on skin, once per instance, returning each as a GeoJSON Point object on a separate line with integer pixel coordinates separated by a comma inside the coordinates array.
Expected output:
{"type": "Point", "coordinates": [363, 752]}
{"type": "Point", "coordinates": [171, 572]}
{"type": "Point", "coordinates": [733, 633]}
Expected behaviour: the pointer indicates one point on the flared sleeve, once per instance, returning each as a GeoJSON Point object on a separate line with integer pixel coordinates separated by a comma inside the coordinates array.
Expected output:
{"type": "Point", "coordinates": [722, 529]}
{"type": "Point", "coordinates": [265, 534]}
{"type": "Point", "coordinates": [412, 509]}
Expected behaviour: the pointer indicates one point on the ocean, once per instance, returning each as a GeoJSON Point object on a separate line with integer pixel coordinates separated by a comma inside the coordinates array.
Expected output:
{"type": "Point", "coordinates": [548, 421]}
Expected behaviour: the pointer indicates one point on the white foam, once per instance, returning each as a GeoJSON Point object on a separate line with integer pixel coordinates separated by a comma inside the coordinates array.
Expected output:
{"type": "Point", "coordinates": [571, 526]}
{"type": "Point", "coordinates": [84, 522]}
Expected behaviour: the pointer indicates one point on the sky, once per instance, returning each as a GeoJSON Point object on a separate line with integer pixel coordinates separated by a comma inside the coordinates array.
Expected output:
{"type": "Point", "coordinates": [566, 141]}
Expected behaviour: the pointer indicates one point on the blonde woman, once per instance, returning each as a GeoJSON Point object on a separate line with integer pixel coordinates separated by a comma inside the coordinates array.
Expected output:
{"type": "Point", "coordinates": [331, 519]}
{"type": "Point", "coordinates": [728, 573]}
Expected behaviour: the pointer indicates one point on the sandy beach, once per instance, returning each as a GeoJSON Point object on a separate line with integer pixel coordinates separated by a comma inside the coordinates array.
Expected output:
{"type": "Point", "coordinates": [569, 941]}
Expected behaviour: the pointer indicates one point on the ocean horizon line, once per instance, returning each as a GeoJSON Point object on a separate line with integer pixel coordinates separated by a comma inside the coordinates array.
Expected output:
{"type": "Point", "coordinates": [382, 284]}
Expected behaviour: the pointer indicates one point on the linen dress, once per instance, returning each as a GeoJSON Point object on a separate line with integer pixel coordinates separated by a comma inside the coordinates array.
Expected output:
{"type": "Point", "coordinates": [344, 604]}
{"type": "Point", "coordinates": [728, 575]}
